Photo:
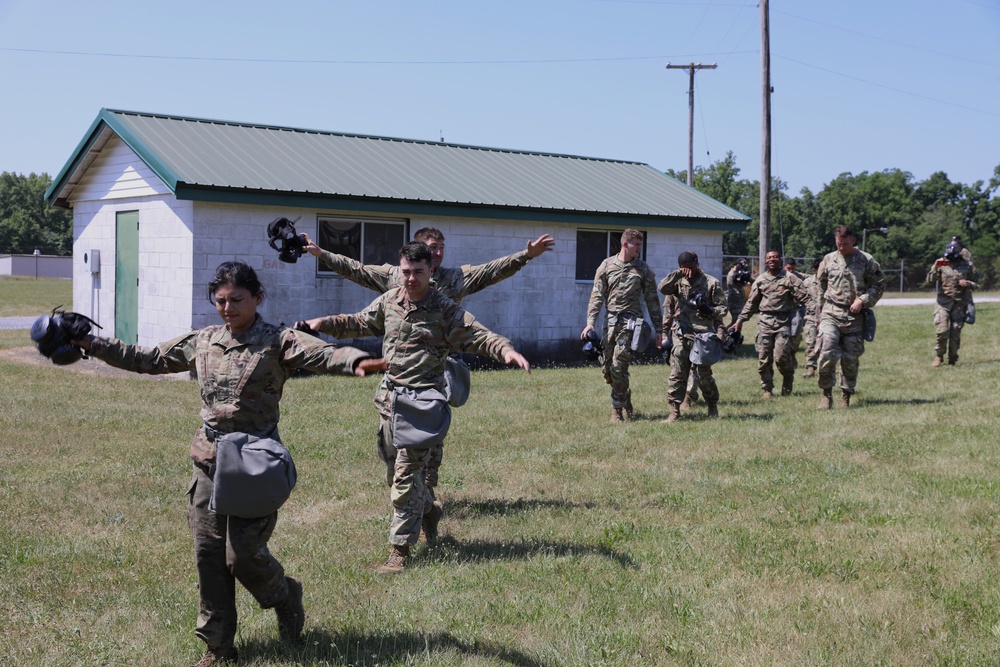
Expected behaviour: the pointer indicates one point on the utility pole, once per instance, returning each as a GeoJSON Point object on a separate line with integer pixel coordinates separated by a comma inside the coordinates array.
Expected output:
{"type": "Point", "coordinates": [691, 69]}
{"type": "Point", "coordinates": [765, 152]}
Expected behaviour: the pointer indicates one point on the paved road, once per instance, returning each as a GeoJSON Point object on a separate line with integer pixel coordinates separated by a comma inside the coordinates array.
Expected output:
{"type": "Point", "coordinates": [16, 322]}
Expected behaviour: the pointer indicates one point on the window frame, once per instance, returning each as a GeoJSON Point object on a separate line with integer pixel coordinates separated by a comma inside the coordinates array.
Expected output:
{"type": "Point", "coordinates": [324, 271]}
{"type": "Point", "coordinates": [612, 247]}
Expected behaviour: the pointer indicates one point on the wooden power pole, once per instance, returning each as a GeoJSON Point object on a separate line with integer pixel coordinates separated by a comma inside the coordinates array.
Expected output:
{"type": "Point", "coordinates": [691, 69]}
{"type": "Point", "coordinates": [765, 152]}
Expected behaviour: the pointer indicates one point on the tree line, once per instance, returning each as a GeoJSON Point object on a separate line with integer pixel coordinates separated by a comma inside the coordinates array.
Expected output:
{"type": "Point", "coordinates": [27, 223]}
{"type": "Point", "coordinates": [921, 216]}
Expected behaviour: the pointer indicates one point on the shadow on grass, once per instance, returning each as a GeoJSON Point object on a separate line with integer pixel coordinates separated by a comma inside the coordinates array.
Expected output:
{"type": "Point", "coordinates": [896, 401]}
{"type": "Point", "coordinates": [472, 551]}
{"type": "Point", "coordinates": [380, 648]}
{"type": "Point", "coordinates": [464, 508]}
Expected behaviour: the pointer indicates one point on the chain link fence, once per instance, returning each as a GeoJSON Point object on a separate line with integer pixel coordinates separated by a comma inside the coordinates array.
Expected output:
{"type": "Point", "coordinates": [902, 276]}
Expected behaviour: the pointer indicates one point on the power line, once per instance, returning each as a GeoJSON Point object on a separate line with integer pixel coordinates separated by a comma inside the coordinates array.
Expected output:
{"type": "Point", "coordinates": [888, 41]}
{"type": "Point", "coordinates": [294, 61]}
{"type": "Point", "coordinates": [895, 90]}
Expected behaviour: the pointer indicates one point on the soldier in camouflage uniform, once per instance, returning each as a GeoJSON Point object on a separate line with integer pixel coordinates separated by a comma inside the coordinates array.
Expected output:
{"type": "Point", "coordinates": [621, 284]}
{"type": "Point", "coordinates": [775, 295]}
{"type": "Point", "coordinates": [848, 280]}
{"type": "Point", "coordinates": [809, 326]}
{"type": "Point", "coordinates": [701, 308]}
{"type": "Point", "coordinates": [242, 366]}
{"type": "Point", "coordinates": [420, 327]}
{"type": "Point", "coordinates": [958, 278]}
{"type": "Point", "coordinates": [669, 313]}
{"type": "Point", "coordinates": [454, 283]}
{"type": "Point", "coordinates": [799, 316]}
{"type": "Point", "coordinates": [739, 276]}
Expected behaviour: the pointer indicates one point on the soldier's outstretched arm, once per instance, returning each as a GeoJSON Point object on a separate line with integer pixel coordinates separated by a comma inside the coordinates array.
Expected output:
{"type": "Point", "coordinates": [477, 278]}
{"type": "Point", "coordinates": [375, 277]}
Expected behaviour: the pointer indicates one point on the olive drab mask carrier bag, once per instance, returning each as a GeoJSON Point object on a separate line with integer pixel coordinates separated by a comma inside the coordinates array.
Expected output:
{"type": "Point", "coordinates": [253, 476]}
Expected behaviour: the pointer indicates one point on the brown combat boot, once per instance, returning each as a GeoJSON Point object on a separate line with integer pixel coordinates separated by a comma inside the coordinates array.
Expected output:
{"type": "Point", "coordinates": [826, 402]}
{"type": "Point", "coordinates": [675, 413]}
{"type": "Point", "coordinates": [768, 394]}
{"type": "Point", "coordinates": [786, 386]}
{"type": "Point", "coordinates": [291, 615]}
{"type": "Point", "coordinates": [617, 415]}
{"type": "Point", "coordinates": [629, 410]}
{"type": "Point", "coordinates": [937, 361]}
{"type": "Point", "coordinates": [429, 524]}
{"type": "Point", "coordinates": [810, 372]}
{"type": "Point", "coordinates": [713, 410]}
{"type": "Point", "coordinates": [689, 400]}
{"type": "Point", "coordinates": [845, 399]}
{"type": "Point", "coordinates": [398, 559]}
{"type": "Point", "coordinates": [218, 656]}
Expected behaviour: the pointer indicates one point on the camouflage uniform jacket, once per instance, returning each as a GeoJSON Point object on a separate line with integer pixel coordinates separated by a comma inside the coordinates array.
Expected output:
{"type": "Point", "coordinates": [417, 337]}
{"type": "Point", "coordinates": [812, 309]}
{"type": "Point", "coordinates": [951, 293]}
{"type": "Point", "coordinates": [620, 287]}
{"type": "Point", "coordinates": [840, 280]}
{"type": "Point", "coordinates": [688, 321]}
{"type": "Point", "coordinates": [241, 375]}
{"type": "Point", "coordinates": [775, 297]}
{"type": "Point", "coordinates": [456, 284]}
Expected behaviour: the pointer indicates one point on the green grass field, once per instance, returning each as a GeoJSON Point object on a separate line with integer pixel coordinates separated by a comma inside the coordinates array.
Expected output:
{"type": "Point", "coordinates": [777, 535]}
{"type": "Point", "coordinates": [24, 297]}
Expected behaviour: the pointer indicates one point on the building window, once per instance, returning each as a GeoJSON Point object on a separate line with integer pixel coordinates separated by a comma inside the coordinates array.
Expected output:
{"type": "Point", "coordinates": [368, 241]}
{"type": "Point", "coordinates": [593, 247]}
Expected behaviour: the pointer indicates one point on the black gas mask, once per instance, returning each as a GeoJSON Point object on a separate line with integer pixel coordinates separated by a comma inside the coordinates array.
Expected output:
{"type": "Point", "coordinates": [592, 349]}
{"type": "Point", "coordinates": [281, 231]}
{"type": "Point", "coordinates": [741, 274]}
{"type": "Point", "coordinates": [953, 251]}
{"type": "Point", "coordinates": [731, 341]}
{"type": "Point", "coordinates": [53, 335]}
{"type": "Point", "coordinates": [701, 304]}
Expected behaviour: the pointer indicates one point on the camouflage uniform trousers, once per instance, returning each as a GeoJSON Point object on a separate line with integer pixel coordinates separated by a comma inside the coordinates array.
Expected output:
{"type": "Point", "coordinates": [774, 349]}
{"type": "Point", "coordinates": [812, 343]}
{"type": "Point", "coordinates": [227, 549]}
{"type": "Point", "coordinates": [615, 362]}
{"type": "Point", "coordinates": [405, 474]}
{"type": "Point", "coordinates": [681, 369]}
{"type": "Point", "coordinates": [948, 330]}
{"type": "Point", "coordinates": [843, 343]}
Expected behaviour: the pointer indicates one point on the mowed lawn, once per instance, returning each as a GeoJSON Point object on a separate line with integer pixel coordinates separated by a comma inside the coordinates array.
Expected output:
{"type": "Point", "coordinates": [776, 535]}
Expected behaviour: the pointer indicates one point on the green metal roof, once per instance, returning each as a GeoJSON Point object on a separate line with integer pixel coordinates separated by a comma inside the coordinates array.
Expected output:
{"type": "Point", "coordinates": [240, 162]}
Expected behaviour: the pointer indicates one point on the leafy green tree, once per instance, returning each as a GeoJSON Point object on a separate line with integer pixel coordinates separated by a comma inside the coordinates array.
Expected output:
{"type": "Point", "coordinates": [26, 222]}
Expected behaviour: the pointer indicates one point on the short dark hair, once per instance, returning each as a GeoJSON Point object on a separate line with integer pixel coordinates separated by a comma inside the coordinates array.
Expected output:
{"type": "Point", "coordinates": [237, 274]}
{"type": "Point", "coordinates": [415, 251]}
{"type": "Point", "coordinates": [686, 257]}
{"type": "Point", "coordinates": [844, 230]}
{"type": "Point", "coordinates": [426, 234]}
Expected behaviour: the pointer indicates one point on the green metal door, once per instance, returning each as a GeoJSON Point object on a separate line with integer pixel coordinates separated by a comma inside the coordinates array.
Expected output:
{"type": "Point", "coordinates": [127, 276]}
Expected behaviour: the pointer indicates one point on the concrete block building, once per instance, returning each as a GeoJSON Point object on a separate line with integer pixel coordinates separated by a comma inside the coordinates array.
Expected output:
{"type": "Point", "coordinates": [159, 201]}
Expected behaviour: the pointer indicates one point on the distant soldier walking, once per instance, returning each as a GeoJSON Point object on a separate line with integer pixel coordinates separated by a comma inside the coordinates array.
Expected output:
{"type": "Point", "coordinates": [621, 285]}
{"type": "Point", "coordinates": [848, 281]}
{"type": "Point", "coordinates": [810, 324]}
{"type": "Point", "coordinates": [701, 311]}
{"type": "Point", "coordinates": [957, 277]}
{"type": "Point", "coordinates": [775, 295]}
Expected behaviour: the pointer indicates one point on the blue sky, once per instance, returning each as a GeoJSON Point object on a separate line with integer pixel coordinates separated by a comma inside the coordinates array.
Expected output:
{"type": "Point", "coordinates": [859, 85]}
